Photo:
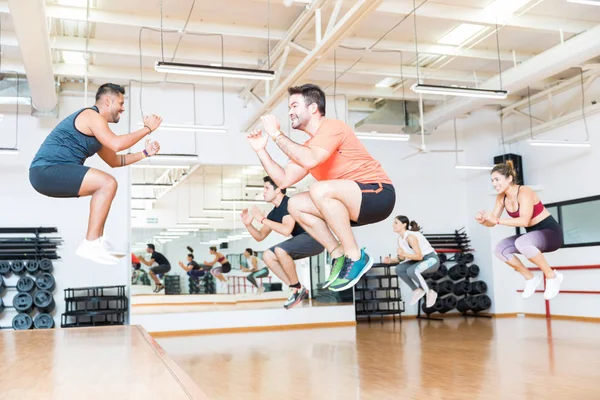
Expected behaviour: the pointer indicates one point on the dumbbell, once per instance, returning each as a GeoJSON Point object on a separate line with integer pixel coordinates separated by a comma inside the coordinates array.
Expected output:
{"type": "Point", "coordinates": [22, 302]}
{"type": "Point", "coordinates": [441, 272]}
{"type": "Point", "coordinates": [46, 265]}
{"type": "Point", "coordinates": [4, 268]}
{"type": "Point", "coordinates": [478, 287]}
{"type": "Point", "coordinates": [443, 258]}
{"type": "Point", "coordinates": [445, 287]}
{"type": "Point", "coordinates": [461, 288]}
{"type": "Point", "coordinates": [464, 258]}
{"type": "Point", "coordinates": [43, 321]}
{"type": "Point", "coordinates": [470, 303]}
{"type": "Point", "coordinates": [458, 271]}
{"type": "Point", "coordinates": [473, 271]}
{"type": "Point", "coordinates": [22, 322]}
{"type": "Point", "coordinates": [433, 286]}
{"type": "Point", "coordinates": [45, 281]}
{"type": "Point", "coordinates": [483, 303]}
{"type": "Point", "coordinates": [24, 284]}
{"type": "Point", "coordinates": [448, 303]}
{"type": "Point", "coordinates": [17, 267]}
{"type": "Point", "coordinates": [44, 301]}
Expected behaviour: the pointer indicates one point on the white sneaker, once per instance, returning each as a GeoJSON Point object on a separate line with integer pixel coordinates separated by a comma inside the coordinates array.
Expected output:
{"type": "Point", "coordinates": [431, 298]}
{"type": "Point", "coordinates": [531, 285]}
{"type": "Point", "coordinates": [95, 251]}
{"type": "Point", "coordinates": [261, 290]}
{"type": "Point", "coordinates": [553, 286]}
{"type": "Point", "coordinates": [109, 248]}
{"type": "Point", "coordinates": [417, 294]}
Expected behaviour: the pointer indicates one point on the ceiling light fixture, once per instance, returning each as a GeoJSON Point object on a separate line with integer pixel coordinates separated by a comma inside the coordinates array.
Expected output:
{"type": "Point", "coordinates": [459, 91]}
{"type": "Point", "coordinates": [383, 136]}
{"type": "Point", "coordinates": [214, 71]}
{"type": "Point", "coordinates": [558, 143]}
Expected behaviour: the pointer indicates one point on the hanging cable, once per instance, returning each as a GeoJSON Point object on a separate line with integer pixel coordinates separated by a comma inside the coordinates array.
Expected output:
{"type": "Point", "coordinates": [416, 40]}
{"type": "Point", "coordinates": [587, 133]}
{"type": "Point", "coordinates": [530, 119]}
{"type": "Point", "coordinates": [162, 43]}
{"type": "Point", "coordinates": [498, 51]}
{"type": "Point", "coordinates": [502, 133]}
{"type": "Point", "coordinates": [455, 142]}
{"type": "Point", "coordinates": [269, 34]}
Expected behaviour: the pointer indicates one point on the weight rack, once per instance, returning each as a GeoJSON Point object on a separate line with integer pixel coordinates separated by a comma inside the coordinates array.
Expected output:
{"type": "Point", "coordinates": [94, 306]}
{"type": "Point", "coordinates": [369, 299]}
{"type": "Point", "coordinates": [26, 256]}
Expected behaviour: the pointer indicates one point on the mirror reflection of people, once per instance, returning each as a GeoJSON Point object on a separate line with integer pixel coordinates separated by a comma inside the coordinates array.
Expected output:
{"type": "Point", "coordinates": [256, 268]}
{"type": "Point", "coordinates": [192, 268]}
{"type": "Point", "coordinates": [543, 233]}
{"type": "Point", "coordinates": [163, 266]}
{"type": "Point", "coordinates": [280, 258]}
{"type": "Point", "coordinates": [416, 257]}
{"type": "Point", "coordinates": [223, 268]}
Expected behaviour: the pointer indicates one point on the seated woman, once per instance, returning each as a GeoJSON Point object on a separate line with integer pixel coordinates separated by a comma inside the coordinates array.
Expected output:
{"type": "Point", "coordinates": [543, 233]}
{"type": "Point", "coordinates": [193, 269]}
{"type": "Point", "coordinates": [255, 272]}
{"type": "Point", "coordinates": [225, 267]}
{"type": "Point", "coordinates": [418, 257]}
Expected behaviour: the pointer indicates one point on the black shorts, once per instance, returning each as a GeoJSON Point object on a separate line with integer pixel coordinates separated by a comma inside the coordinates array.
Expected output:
{"type": "Point", "coordinates": [300, 246]}
{"type": "Point", "coordinates": [196, 273]}
{"type": "Point", "coordinates": [161, 269]}
{"type": "Point", "coordinates": [61, 180]}
{"type": "Point", "coordinates": [225, 267]}
{"type": "Point", "coordinates": [378, 201]}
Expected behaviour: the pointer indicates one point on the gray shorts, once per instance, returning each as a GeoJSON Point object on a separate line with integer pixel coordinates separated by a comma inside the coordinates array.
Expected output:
{"type": "Point", "coordinates": [300, 246]}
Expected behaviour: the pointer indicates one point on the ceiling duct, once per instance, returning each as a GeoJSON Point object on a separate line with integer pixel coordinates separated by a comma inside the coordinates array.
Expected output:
{"type": "Point", "coordinates": [392, 116]}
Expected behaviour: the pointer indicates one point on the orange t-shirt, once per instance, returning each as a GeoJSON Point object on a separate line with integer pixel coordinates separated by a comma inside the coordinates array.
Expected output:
{"type": "Point", "coordinates": [349, 159]}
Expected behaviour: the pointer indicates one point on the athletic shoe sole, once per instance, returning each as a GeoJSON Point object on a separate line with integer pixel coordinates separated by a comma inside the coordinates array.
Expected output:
{"type": "Point", "coordinates": [430, 300]}
{"type": "Point", "coordinates": [302, 296]}
{"type": "Point", "coordinates": [525, 295]}
{"type": "Point", "coordinates": [97, 259]}
{"type": "Point", "coordinates": [331, 280]}
{"type": "Point", "coordinates": [355, 280]}
{"type": "Point", "coordinates": [560, 279]}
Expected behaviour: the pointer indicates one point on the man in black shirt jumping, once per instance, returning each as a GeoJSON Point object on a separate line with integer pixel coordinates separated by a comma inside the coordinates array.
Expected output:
{"type": "Point", "coordinates": [280, 258]}
{"type": "Point", "coordinates": [163, 266]}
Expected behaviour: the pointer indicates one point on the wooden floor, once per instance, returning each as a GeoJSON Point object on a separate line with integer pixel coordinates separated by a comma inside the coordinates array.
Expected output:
{"type": "Point", "coordinates": [458, 359]}
{"type": "Point", "coordinates": [89, 363]}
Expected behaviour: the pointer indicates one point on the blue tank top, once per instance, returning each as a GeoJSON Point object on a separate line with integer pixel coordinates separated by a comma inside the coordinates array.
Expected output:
{"type": "Point", "coordinates": [66, 144]}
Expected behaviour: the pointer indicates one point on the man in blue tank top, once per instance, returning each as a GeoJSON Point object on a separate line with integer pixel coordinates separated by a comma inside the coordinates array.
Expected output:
{"type": "Point", "coordinates": [57, 169]}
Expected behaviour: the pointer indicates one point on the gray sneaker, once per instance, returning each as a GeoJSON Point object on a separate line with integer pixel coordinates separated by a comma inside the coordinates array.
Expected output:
{"type": "Point", "coordinates": [296, 297]}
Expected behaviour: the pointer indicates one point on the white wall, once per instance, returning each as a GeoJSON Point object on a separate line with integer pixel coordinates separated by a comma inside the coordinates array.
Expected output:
{"type": "Point", "coordinates": [22, 206]}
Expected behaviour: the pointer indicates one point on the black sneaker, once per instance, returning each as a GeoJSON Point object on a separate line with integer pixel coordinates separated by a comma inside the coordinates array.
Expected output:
{"type": "Point", "coordinates": [159, 288]}
{"type": "Point", "coordinates": [296, 297]}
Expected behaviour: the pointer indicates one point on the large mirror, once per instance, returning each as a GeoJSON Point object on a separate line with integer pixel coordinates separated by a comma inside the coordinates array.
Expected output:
{"type": "Point", "coordinates": [191, 247]}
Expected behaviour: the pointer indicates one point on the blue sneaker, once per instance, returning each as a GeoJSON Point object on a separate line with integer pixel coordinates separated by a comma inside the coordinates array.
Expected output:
{"type": "Point", "coordinates": [352, 272]}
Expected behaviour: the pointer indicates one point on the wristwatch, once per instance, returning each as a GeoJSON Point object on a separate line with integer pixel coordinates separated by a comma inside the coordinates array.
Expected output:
{"type": "Point", "coordinates": [279, 133]}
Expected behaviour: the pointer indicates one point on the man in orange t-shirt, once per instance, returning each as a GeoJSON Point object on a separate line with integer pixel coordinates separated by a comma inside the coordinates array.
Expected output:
{"type": "Point", "coordinates": [352, 188]}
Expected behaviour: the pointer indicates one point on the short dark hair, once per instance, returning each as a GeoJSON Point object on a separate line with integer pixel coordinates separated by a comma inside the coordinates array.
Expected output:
{"type": "Point", "coordinates": [312, 94]}
{"type": "Point", "coordinates": [111, 88]}
{"type": "Point", "coordinates": [150, 245]}
{"type": "Point", "coordinates": [249, 250]}
{"type": "Point", "coordinates": [268, 179]}
{"type": "Point", "coordinates": [191, 256]}
{"type": "Point", "coordinates": [213, 248]}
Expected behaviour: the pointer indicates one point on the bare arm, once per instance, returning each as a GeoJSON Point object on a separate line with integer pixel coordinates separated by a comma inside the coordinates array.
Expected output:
{"type": "Point", "coordinates": [283, 177]}
{"type": "Point", "coordinates": [185, 268]}
{"type": "Point", "coordinates": [305, 156]}
{"type": "Point", "coordinates": [148, 263]}
{"type": "Point", "coordinates": [414, 244]}
{"type": "Point", "coordinates": [284, 228]}
{"type": "Point", "coordinates": [497, 212]}
{"type": "Point", "coordinates": [211, 263]}
{"type": "Point", "coordinates": [98, 126]}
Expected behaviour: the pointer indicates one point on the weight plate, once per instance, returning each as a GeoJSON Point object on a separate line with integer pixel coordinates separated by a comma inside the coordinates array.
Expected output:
{"type": "Point", "coordinates": [45, 282]}
{"type": "Point", "coordinates": [43, 321]}
{"type": "Point", "coordinates": [22, 322]}
{"type": "Point", "coordinates": [46, 265]}
{"type": "Point", "coordinates": [32, 266]}
{"type": "Point", "coordinates": [25, 284]}
{"type": "Point", "coordinates": [43, 300]}
{"type": "Point", "coordinates": [23, 302]}
{"type": "Point", "coordinates": [4, 267]}
{"type": "Point", "coordinates": [18, 267]}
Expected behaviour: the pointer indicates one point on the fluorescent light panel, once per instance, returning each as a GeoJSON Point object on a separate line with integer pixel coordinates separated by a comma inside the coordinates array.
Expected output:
{"type": "Point", "coordinates": [167, 233]}
{"type": "Point", "coordinates": [387, 82]}
{"type": "Point", "coordinates": [210, 70]}
{"type": "Point", "coordinates": [166, 237]}
{"type": "Point", "coordinates": [9, 152]}
{"type": "Point", "coordinates": [461, 34]}
{"type": "Point", "coordinates": [243, 201]}
{"type": "Point", "coordinates": [221, 210]}
{"type": "Point", "coordinates": [206, 219]}
{"type": "Point", "coordinates": [473, 167]}
{"type": "Point", "coordinates": [558, 143]}
{"type": "Point", "coordinates": [260, 188]}
{"type": "Point", "coordinates": [459, 91]}
{"type": "Point", "coordinates": [586, 2]}
{"type": "Point", "coordinates": [73, 57]}
{"type": "Point", "coordinates": [182, 229]}
{"type": "Point", "coordinates": [189, 128]}
{"type": "Point", "coordinates": [383, 136]}
{"type": "Point", "coordinates": [158, 166]}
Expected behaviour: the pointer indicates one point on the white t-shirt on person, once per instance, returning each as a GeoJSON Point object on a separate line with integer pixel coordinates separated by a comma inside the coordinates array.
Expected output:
{"type": "Point", "coordinates": [424, 244]}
